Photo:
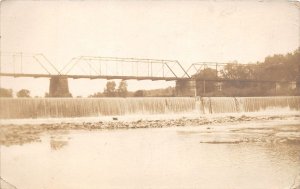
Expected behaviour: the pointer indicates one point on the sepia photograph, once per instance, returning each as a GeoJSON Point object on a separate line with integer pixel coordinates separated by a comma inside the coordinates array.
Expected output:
{"type": "Point", "coordinates": [149, 94]}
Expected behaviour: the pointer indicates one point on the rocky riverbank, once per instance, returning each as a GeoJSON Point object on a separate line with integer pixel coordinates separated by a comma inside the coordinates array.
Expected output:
{"type": "Point", "coordinates": [11, 134]}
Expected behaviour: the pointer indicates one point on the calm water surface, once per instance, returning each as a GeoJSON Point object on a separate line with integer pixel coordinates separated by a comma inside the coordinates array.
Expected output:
{"type": "Point", "coordinates": [176, 157]}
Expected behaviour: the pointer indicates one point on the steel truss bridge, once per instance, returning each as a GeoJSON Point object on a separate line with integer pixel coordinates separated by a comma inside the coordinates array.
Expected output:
{"type": "Point", "coordinates": [37, 65]}
{"type": "Point", "coordinates": [15, 64]}
{"type": "Point", "coordinates": [92, 67]}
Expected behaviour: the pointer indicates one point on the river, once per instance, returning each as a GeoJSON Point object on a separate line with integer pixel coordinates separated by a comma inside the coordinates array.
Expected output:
{"type": "Point", "coordinates": [254, 155]}
{"type": "Point", "coordinates": [113, 143]}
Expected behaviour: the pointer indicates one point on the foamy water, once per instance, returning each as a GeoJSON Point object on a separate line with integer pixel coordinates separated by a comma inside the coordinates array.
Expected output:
{"type": "Point", "coordinates": [283, 112]}
{"type": "Point", "coordinates": [44, 108]}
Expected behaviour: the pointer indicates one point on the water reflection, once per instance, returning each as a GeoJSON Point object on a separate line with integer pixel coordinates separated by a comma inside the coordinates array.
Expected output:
{"type": "Point", "coordinates": [57, 144]}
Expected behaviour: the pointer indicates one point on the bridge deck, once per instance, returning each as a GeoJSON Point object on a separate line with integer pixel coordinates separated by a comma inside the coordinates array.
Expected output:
{"type": "Point", "coordinates": [108, 77]}
{"type": "Point", "coordinates": [94, 77]}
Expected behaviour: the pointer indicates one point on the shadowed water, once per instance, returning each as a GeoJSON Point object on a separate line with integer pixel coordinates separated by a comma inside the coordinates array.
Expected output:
{"type": "Point", "coordinates": [251, 155]}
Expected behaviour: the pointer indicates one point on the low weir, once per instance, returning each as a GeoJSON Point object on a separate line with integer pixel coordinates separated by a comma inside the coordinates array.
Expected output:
{"type": "Point", "coordinates": [16, 108]}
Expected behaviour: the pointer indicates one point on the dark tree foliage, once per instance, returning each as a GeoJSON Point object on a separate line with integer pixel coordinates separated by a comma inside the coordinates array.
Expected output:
{"type": "Point", "coordinates": [255, 79]}
{"type": "Point", "coordinates": [204, 83]}
{"type": "Point", "coordinates": [122, 89]}
{"type": "Point", "coordinates": [6, 92]}
{"type": "Point", "coordinates": [23, 93]}
{"type": "Point", "coordinates": [110, 90]}
{"type": "Point", "coordinates": [139, 93]}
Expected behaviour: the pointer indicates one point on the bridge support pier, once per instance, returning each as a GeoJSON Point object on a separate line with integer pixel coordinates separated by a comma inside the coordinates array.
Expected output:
{"type": "Point", "coordinates": [59, 87]}
{"type": "Point", "coordinates": [185, 88]}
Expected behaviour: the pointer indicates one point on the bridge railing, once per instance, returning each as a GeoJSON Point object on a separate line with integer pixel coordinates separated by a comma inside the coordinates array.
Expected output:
{"type": "Point", "coordinates": [17, 63]}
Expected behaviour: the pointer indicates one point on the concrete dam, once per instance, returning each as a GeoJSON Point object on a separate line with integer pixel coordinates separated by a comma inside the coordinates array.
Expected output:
{"type": "Point", "coordinates": [21, 108]}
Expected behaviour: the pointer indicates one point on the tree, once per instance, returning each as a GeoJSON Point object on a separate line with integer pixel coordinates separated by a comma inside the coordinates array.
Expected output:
{"type": "Point", "coordinates": [239, 75]}
{"type": "Point", "coordinates": [23, 93]}
{"type": "Point", "coordinates": [6, 92]}
{"type": "Point", "coordinates": [122, 89]}
{"type": "Point", "coordinates": [110, 89]}
{"type": "Point", "coordinates": [139, 93]}
{"type": "Point", "coordinates": [205, 80]}
{"type": "Point", "coordinates": [239, 71]}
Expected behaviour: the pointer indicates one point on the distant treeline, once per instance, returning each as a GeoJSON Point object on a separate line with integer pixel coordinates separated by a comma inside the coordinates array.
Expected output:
{"type": "Point", "coordinates": [121, 91]}
{"type": "Point", "coordinates": [9, 93]}
{"type": "Point", "coordinates": [255, 79]}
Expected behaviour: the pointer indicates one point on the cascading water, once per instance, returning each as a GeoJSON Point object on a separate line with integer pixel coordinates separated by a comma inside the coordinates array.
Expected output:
{"type": "Point", "coordinates": [247, 104]}
{"type": "Point", "coordinates": [84, 107]}
{"type": "Point", "coordinates": [12, 108]}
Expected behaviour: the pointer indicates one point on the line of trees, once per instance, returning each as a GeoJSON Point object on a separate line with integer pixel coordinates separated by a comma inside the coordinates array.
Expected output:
{"type": "Point", "coordinates": [280, 68]}
{"type": "Point", "coordinates": [23, 93]}
{"type": "Point", "coordinates": [122, 91]}
{"type": "Point", "coordinates": [165, 92]}
{"type": "Point", "coordinates": [111, 90]}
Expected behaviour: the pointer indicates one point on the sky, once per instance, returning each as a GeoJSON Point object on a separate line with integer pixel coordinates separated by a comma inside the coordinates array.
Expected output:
{"type": "Point", "coordinates": [187, 31]}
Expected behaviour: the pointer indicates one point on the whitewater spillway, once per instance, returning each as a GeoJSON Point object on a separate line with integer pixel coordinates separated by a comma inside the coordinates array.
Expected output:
{"type": "Point", "coordinates": [15, 108]}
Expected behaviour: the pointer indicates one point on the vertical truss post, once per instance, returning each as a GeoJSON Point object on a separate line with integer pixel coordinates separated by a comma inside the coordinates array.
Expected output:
{"type": "Point", "coordinates": [163, 69]}
{"type": "Point", "coordinates": [106, 69]}
{"type": "Point", "coordinates": [14, 61]}
{"type": "Point", "coordinates": [132, 68]}
{"type": "Point", "coordinates": [91, 69]}
{"type": "Point", "coordinates": [137, 69]}
{"type": "Point", "coordinates": [148, 68]}
{"type": "Point", "coordinates": [117, 68]}
{"type": "Point", "coordinates": [151, 70]}
{"type": "Point", "coordinates": [21, 62]}
{"type": "Point", "coordinates": [100, 67]}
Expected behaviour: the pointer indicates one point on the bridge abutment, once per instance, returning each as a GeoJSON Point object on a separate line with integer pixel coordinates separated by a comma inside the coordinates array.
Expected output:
{"type": "Point", "coordinates": [59, 87]}
{"type": "Point", "coordinates": [185, 88]}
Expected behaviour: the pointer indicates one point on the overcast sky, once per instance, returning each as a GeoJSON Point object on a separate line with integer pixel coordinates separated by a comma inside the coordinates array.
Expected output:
{"type": "Point", "coordinates": [187, 31]}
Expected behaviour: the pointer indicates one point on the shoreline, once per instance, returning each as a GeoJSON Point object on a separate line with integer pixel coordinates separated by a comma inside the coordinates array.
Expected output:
{"type": "Point", "coordinates": [13, 134]}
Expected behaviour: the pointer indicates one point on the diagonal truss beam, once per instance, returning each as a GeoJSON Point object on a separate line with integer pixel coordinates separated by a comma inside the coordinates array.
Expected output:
{"type": "Point", "coordinates": [92, 60]}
